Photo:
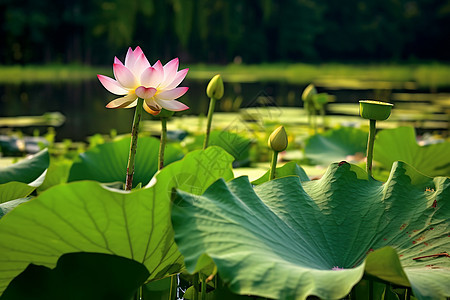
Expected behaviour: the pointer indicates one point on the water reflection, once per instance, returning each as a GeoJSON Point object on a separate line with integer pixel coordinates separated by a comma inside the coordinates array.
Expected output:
{"type": "Point", "coordinates": [83, 103]}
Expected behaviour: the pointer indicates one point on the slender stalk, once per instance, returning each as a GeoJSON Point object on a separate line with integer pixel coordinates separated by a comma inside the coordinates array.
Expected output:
{"type": "Point", "coordinates": [203, 277]}
{"type": "Point", "coordinates": [371, 290]}
{"type": "Point", "coordinates": [173, 287]}
{"type": "Point", "coordinates": [133, 146]}
{"type": "Point", "coordinates": [212, 105]}
{"type": "Point", "coordinates": [162, 144]}
{"type": "Point", "coordinates": [370, 143]}
{"type": "Point", "coordinates": [195, 283]}
{"type": "Point", "coordinates": [273, 165]}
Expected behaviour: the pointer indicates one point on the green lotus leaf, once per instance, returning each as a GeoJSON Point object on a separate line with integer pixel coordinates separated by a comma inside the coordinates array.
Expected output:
{"type": "Point", "coordinates": [85, 216]}
{"type": "Point", "coordinates": [57, 173]}
{"type": "Point", "coordinates": [87, 276]}
{"type": "Point", "coordinates": [20, 179]}
{"type": "Point", "coordinates": [336, 145]}
{"type": "Point", "coordinates": [400, 144]}
{"type": "Point", "coordinates": [7, 206]}
{"type": "Point", "coordinates": [235, 144]}
{"type": "Point", "coordinates": [108, 162]}
{"type": "Point", "coordinates": [287, 239]}
{"type": "Point", "coordinates": [289, 169]}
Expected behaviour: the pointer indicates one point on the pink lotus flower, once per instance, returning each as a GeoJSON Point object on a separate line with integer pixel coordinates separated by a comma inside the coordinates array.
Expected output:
{"type": "Point", "coordinates": [156, 84]}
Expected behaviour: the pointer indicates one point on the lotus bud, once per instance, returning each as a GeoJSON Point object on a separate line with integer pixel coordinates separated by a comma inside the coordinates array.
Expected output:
{"type": "Point", "coordinates": [375, 110]}
{"type": "Point", "coordinates": [278, 140]}
{"type": "Point", "coordinates": [215, 87]}
{"type": "Point", "coordinates": [309, 93]}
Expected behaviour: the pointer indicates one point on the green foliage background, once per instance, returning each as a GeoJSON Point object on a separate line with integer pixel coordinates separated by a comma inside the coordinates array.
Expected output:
{"type": "Point", "coordinates": [218, 31]}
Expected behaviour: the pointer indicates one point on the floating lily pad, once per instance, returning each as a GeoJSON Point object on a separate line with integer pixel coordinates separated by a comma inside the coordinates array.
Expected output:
{"type": "Point", "coordinates": [287, 239]}
{"type": "Point", "coordinates": [87, 276]}
{"type": "Point", "coordinates": [400, 144]}
{"type": "Point", "coordinates": [22, 178]}
{"type": "Point", "coordinates": [85, 216]}
{"type": "Point", "coordinates": [108, 162]}
{"type": "Point", "coordinates": [336, 145]}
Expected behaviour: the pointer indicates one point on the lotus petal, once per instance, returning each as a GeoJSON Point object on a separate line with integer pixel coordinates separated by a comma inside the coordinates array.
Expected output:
{"type": "Point", "coordinates": [145, 93]}
{"type": "Point", "coordinates": [122, 102]}
{"type": "Point", "coordinates": [112, 85]}
{"type": "Point", "coordinates": [177, 79]}
{"type": "Point", "coordinates": [124, 76]}
{"type": "Point", "coordinates": [172, 105]}
{"type": "Point", "coordinates": [172, 94]}
{"type": "Point", "coordinates": [170, 71]}
{"type": "Point", "coordinates": [150, 77]}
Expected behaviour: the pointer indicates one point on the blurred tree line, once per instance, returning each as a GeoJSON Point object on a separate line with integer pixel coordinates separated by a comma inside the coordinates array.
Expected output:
{"type": "Point", "coordinates": [93, 31]}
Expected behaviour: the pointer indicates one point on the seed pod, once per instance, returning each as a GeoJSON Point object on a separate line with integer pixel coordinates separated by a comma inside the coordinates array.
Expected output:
{"type": "Point", "coordinates": [215, 88]}
{"type": "Point", "coordinates": [278, 140]}
{"type": "Point", "coordinates": [375, 110]}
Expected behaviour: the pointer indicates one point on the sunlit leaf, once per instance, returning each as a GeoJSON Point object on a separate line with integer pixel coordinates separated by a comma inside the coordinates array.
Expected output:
{"type": "Point", "coordinates": [108, 162]}
{"type": "Point", "coordinates": [235, 144]}
{"type": "Point", "coordinates": [22, 178]}
{"type": "Point", "coordinates": [86, 216]}
{"type": "Point", "coordinates": [400, 144]}
{"type": "Point", "coordinates": [287, 239]}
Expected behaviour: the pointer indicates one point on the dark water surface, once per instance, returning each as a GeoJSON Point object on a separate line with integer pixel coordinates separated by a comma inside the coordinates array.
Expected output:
{"type": "Point", "coordinates": [83, 103]}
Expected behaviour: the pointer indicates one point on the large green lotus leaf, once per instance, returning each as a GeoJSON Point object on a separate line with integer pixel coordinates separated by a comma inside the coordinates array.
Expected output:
{"type": "Point", "coordinates": [336, 145]}
{"type": "Point", "coordinates": [235, 144]}
{"type": "Point", "coordinates": [400, 144]}
{"type": "Point", "coordinates": [87, 276]}
{"type": "Point", "coordinates": [22, 178]}
{"type": "Point", "coordinates": [7, 206]}
{"type": "Point", "coordinates": [108, 162]}
{"type": "Point", "coordinates": [289, 169]}
{"type": "Point", "coordinates": [57, 173]}
{"type": "Point", "coordinates": [85, 216]}
{"type": "Point", "coordinates": [287, 239]}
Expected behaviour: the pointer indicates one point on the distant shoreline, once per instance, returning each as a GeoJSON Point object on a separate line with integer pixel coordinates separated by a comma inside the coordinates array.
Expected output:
{"type": "Point", "coordinates": [424, 75]}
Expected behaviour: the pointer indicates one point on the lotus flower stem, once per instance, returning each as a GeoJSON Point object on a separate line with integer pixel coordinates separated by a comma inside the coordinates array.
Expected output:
{"type": "Point", "coordinates": [139, 293]}
{"type": "Point", "coordinates": [273, 165]}
{"type": "Point", "coordinates": [195, 283]}
{"type": "Point", "coordinates": [133, 146]}
{"type": "Point", "coordinates": [203, 277]}
{"type": "Point", "coordinates": [370, 143]}
{"type": "Point", "coordinates": [162, 145]}
{"type": "Point", "coordinates": [173, 287]}
{"type": "Point", "coordinates": [212, 105]}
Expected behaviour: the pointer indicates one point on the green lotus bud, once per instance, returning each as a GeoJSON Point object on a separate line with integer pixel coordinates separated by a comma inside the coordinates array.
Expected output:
{"type": "Point", "coordinates": [320, 99]}
{"type": "Point", "coordinates": [278, 140]}
{"type": "Point", "coordinates": [309, 93]}
{"type": "Point", "coordinates": [215, 87]}
{"type": "Point", "coordinates": [375, 110]}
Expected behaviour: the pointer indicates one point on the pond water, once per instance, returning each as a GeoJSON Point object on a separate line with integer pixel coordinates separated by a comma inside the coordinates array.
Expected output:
{"type": "Point", "coordinates": [83, 103]}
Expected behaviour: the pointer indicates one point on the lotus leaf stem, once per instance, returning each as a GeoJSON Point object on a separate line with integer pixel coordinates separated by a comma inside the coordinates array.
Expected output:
{"type": "Point", "coordinates": [133, 146]}
{"type": "Point", "coordinates": [195, 283]}
{"type": "Point", "coordinates": [212, 105]}
{"type": "Point", "coordinates": [173, 287]}
{"type": "Point", "coordinates": [203, 277]}
{"type": "Point", "coordinates": [162, 145]}
{"type": "Point", "coordinates": [370, 143]}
